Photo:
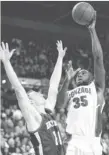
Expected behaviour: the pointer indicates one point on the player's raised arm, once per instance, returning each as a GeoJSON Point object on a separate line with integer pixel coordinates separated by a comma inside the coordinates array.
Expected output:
{"type": "Point", "coordinates": [23, 100]}
{"type": "Point", "coordinates": [55, 77]}
{"type": "Point", "coordinates": [62, 98]}
{"type": "Point", "coordinates": [5, 56]}
{"type": "Point", "coordinates": [99, 71]}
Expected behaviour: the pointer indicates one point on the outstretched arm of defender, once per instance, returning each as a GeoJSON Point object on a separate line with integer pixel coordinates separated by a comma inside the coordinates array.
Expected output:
{"type": "Point", "coordinates": [99, 71]}
{"type": "Point", "coordinates": [63, 98]}
{"type": "Point", "coordinates": [27, 110]}
{"type": "Point", "coordinates": [55, 78]}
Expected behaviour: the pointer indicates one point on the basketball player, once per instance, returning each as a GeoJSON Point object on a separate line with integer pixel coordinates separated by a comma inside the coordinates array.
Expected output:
{"type": "Point", "coordinates": [38, 112]}
{"type": "Point", "coordinates": [85, 102]}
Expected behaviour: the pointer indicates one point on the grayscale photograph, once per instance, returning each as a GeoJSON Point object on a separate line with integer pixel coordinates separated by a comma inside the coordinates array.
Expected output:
{"type": "Point", "coordinates": [54, 59]}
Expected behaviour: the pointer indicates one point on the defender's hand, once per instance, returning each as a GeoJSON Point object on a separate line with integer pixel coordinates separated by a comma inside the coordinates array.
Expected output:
{"type": "Point", "coordinates": [60, 49]}
{"type": "Point", "coordinates": [70, 72]}
{"type": "Point", "coordinates": [5, 54]}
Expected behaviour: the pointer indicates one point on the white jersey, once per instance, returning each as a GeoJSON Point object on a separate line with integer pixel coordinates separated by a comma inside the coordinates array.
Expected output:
{"type": "Point", "coordinates": [81, 118]}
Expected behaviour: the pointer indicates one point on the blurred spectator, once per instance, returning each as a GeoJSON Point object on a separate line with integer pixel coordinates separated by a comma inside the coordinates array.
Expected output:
{"type": "Point", "coordinates": [6, 151]}
{"type": "Point", "coordinates": [18, 142]}
{"type": "Point", "coordinates": [11, 143]}
{"type": "Point", "coordinates": [17, 115]}
{"type": "Point", "coordinates": [105, 142]}
{"type": "Point", "coordinates": [18, 151]}
{"type": "Point", "coordinates": [9, 126]}
{"type": "Point", "coordinates": [17, 131]}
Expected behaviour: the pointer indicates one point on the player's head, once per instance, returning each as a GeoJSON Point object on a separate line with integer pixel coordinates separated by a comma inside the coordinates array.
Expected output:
{"type": "Point", "coordinates": [37, 100]}
{"type": "Point", "coordinates": [83, 77]}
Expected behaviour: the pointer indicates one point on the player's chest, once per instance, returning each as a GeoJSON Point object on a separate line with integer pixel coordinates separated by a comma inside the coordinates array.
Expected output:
{"type": "Point", "coordinates": [50, 124]}
{"type": "Point", "coordinates": [80, 98]}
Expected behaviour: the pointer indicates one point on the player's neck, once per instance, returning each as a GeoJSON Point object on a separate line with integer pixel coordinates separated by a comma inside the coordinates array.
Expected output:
{"type": "Point", "coordinates": [83, 84]}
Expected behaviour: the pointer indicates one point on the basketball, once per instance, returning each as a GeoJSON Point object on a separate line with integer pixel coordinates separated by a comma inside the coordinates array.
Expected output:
{"type": "Point", "coordinates": [83, 13]}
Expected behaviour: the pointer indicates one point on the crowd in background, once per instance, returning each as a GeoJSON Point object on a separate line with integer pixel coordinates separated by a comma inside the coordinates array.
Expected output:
{"type": "Point", "coordinates": [37, 61]}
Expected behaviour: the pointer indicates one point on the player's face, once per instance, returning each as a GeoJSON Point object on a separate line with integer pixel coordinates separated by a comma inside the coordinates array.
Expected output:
{"type": "Point", "coordinates": [37, 100]}
{"type": "Point", "coordinates": [82, 77]}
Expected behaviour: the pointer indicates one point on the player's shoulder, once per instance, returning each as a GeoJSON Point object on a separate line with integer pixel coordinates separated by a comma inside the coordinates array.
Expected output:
{"type": "Point", "coordinates": [92, 84]}
{"type": "Point", "coordinates": [70, 90]}
{"type": "Point", "coordinates": [100, 91]}
{"type": "Point", "coordinates": [50, 113]}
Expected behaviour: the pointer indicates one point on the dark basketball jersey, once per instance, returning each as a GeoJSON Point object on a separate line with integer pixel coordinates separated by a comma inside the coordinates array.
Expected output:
{"type": "Point", "coordinates": [47, 139]}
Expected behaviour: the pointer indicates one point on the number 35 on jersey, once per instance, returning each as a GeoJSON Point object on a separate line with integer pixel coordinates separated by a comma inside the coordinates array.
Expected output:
{"type": "Point", "coordinates": [80, 101]}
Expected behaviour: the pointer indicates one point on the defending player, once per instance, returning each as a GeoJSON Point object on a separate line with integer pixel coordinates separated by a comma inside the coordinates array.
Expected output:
{"type": "Point", "coordinates": [85, 103]}
{"type": "Point", "coordinates": [37, 111]}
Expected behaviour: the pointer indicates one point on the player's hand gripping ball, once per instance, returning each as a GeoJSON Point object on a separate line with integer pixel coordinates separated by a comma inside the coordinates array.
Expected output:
{"type": "Point", "coordinates": [83, 13]}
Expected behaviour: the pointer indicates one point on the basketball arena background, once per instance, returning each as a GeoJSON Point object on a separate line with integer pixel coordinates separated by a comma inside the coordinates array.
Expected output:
{"type": "Point", "coordinates": [33, 29]}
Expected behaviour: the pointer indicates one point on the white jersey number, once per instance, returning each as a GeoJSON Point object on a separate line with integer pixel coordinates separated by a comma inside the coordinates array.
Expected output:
{"type": "Point", "coordinates": [57, 136]}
